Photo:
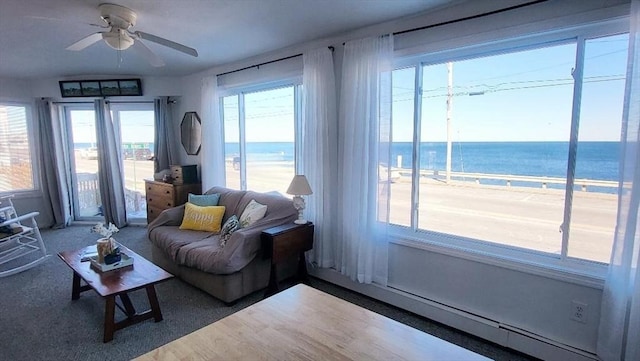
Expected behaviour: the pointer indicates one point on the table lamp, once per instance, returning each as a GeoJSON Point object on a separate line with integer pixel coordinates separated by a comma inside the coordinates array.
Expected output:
{"type": "Point", "coordinates": [299, 187]}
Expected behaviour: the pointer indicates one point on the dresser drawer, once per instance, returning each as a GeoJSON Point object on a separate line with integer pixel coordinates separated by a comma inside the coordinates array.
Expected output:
{"type": "Point", "coordinates": [153, 212]}
{"type": "Point", "coordinates": [161, 196]}
{"type": "Point", "coordinates": [160, 191]}
{"type": "Point", "coordinates": [160, 201]}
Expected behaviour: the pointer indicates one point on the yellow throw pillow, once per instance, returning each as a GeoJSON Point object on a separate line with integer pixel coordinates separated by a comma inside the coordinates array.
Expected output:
{"type": "Point", "coordinates": [202, 218]}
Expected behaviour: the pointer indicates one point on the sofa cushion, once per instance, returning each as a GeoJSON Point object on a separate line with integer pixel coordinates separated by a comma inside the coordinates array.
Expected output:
{"type": "Point", "coordinates": [252, 213]}
{"type": "Point", "coordinates": [198, 218]}
{"type": "Point", "coordinates": [170, 239]}
{"type": "Point", "coordinates": [204, 200]}
{"type": "Point", "coordinates": [203, 255]}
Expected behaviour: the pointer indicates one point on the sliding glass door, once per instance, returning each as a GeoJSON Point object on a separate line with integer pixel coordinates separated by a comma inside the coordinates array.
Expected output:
{"type": "Point", "coordinates": [83, 157]}
{"type": "Point", "coordinates": [134, 124]}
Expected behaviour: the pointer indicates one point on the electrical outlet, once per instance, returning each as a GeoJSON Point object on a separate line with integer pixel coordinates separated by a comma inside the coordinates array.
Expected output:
{"type": "Point", "coordinates": [579, 311]}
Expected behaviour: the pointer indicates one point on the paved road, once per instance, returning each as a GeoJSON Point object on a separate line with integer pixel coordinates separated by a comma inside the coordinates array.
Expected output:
{"type": "Point", "coordinates": [519, 216]}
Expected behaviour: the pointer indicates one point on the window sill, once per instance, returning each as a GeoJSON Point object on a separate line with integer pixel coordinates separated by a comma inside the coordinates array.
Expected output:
{"type": "Point", "coordinates": [580, 272]}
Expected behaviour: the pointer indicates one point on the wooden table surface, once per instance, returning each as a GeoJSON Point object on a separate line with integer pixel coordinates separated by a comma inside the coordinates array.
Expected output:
{"type": "Point", "coordinates": [302, 323]}
{"type": "Point", "coordinates": [125, 279]}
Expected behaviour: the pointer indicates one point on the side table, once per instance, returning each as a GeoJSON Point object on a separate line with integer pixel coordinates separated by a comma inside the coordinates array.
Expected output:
{"type": "Point", "coordinates": [284, 242]}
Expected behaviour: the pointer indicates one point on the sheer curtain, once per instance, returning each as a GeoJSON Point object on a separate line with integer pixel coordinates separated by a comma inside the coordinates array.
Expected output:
{"type": "Point", "coordinates": [212, 160]}
{"type": "Point", "coordinates": [165, 153]}
{"type": "Point", "coordinates": [53, 175]}
{"type": "Point", "coordinates": [319, 149]}
{"type": "Point", "coordinates": [365, 127]}
{"type": "Point", "coordinates": [619, 332]}
{"type": "Point", "coordinates": [110, 168]}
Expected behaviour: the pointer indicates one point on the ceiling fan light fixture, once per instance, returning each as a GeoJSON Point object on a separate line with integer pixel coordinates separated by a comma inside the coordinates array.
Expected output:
{"type": "Point", "coordinates": [118, 40]}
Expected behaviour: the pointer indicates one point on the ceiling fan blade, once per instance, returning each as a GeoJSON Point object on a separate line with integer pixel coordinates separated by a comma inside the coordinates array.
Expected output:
{"type": "Point", "coordinates": [151, 57]}
{"type": "Point", "coordinates": [85, 42]}
{"type": "Point", "coordinates": [169, 43]}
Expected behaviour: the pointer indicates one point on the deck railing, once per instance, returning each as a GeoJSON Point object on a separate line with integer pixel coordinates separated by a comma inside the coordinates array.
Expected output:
{"type": "Point", "coordinates": [508, 179]}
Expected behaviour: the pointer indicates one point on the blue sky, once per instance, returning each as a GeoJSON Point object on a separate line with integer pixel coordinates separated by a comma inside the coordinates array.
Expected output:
{"type": "Point", "coordinates": [525, 96]}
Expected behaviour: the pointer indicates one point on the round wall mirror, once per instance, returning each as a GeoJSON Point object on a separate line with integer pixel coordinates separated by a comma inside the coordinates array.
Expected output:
{"type": "Point", "coordinates": [190, 133]}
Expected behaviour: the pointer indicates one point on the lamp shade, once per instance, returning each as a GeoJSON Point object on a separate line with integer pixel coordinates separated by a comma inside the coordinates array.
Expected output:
{"type": "Point", "coordinates": [299, 186]}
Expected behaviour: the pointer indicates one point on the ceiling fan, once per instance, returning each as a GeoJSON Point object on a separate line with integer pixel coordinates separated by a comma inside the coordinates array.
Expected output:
{"type": "Point", "coordinates": [119, 20]}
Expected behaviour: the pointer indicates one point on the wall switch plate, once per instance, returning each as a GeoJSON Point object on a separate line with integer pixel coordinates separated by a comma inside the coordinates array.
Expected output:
{"type": "Point", "coordinates": [579, 311]}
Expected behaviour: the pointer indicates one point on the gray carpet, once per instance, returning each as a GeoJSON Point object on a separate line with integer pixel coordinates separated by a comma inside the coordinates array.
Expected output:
{"type": "Point", "coordinates": [38, 320]}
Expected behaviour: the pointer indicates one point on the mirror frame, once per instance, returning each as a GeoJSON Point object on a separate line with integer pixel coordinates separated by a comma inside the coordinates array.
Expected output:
{"type": "Point", "coordinates": [191, 133]}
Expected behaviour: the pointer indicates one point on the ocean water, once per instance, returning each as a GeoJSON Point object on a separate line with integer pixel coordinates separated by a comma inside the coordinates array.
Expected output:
{"type": "Point", "coordinates": [595, 160]}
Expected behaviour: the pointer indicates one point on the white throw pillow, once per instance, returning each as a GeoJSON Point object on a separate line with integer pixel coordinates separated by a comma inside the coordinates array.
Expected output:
{"type": "Point", "coordinates": [252, 213]}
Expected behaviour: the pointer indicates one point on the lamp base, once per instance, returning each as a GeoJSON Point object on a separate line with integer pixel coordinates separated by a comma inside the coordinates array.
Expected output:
{"type": "Point", "coordinates": [300, 221]}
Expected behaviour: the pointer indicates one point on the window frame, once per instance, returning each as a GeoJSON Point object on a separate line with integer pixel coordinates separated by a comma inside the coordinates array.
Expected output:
{"type": "Point", "coordinates": [240, 92]}
{"type": "Point", "coordinates": [34, 149]}
{"type": "Point", "coordinates": [562, 267]}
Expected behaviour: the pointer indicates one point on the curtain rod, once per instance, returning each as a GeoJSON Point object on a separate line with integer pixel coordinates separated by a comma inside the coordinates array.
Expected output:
{"type": "Point", "coordinates": [472, 17]}
{"type": "Point", "coordinates": [266, 62]}
{"type": "Point", "coordinates": [114, 102]}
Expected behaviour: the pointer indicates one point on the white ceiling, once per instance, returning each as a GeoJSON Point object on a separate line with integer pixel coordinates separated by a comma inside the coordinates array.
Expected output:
{"type": "Point", "coordinates": [35, 33]}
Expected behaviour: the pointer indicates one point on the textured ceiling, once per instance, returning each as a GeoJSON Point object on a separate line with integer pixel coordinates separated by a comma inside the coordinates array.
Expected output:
{"type": "Point", "coordinates": [35, 33]}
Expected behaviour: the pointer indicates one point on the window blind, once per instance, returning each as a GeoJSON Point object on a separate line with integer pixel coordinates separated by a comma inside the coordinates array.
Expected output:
{"type": "Point", "coordinates": [16, 170]}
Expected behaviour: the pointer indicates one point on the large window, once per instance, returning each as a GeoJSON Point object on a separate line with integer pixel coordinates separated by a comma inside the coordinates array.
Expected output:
{"type": "Point", "coordinates": [16, 150]}
{"type": "Point", "coordinates": [485, 151]}
{"type": "Point", "coordinates": [259, 130]}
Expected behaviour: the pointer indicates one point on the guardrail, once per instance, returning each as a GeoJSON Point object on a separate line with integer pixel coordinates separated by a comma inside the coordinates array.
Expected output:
{"type": "Point", "coordinates": [509, 178]}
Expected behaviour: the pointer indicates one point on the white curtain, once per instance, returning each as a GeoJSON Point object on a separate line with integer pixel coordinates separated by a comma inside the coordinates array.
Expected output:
{"type": "Point", "coordinates": [212, 159]}
{"type": "Point", "coordinates": [619, 330]}
{"type": "Point", "coordinates": [111, 170]}
{"type": "Point", "coordinates": [319, 151]}
{"type": "Point", "coordinates": [365, 130]}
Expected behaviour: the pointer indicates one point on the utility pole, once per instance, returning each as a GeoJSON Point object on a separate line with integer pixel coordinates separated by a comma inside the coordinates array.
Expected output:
{"type": "Point", "coordinates": [449, 104]}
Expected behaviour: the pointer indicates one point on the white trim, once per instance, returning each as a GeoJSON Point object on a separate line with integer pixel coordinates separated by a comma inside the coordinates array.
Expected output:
{"type": "Point", "coordinates": [260, 86]}
{"type": "Point", "coordinates": [574, 271]}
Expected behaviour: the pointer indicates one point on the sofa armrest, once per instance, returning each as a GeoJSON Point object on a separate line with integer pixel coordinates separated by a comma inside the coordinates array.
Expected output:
{"type": "Point", "coordinates": [243, 245]}
{"type": "Point", "coordinates": [168, 217]}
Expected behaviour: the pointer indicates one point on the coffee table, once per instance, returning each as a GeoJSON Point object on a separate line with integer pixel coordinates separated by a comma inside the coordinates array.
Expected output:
{"type": "Point", "coordinates": [118, 282]}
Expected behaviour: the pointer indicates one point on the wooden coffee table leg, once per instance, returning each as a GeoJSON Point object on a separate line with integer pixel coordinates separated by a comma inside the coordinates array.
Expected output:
{"type": "Point", "coordinates": [109, 313]}
{"type": "Point", "coordinates": [128, 306]}
{"type": "Point", "coordinates": [153, 302]}
{"type": "Point", "coordinates": [75, 290]}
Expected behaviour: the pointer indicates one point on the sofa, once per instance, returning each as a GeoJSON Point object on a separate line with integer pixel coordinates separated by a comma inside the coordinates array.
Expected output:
{"type": "Point", "coordinates": [226, 270]}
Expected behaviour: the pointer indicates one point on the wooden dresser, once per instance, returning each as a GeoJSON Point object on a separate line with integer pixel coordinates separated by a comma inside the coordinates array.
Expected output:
{"type": "Point", "coordinates": [161, 196]}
